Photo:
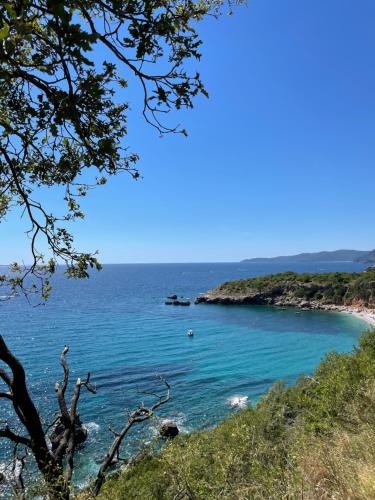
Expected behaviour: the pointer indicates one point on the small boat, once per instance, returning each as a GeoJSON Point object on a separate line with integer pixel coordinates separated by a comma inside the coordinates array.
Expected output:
{"type": "Point", "coordinates": [190, 333]}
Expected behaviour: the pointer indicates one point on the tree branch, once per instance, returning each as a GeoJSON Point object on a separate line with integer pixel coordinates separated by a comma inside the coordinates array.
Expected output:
{"type": "Point", "coordinates": [140, 414]}
{"type": "Point", "coordinates": [7, 433]}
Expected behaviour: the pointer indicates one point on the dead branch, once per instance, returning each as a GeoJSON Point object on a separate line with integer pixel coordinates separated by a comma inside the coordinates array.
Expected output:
{"type": "Point", "coordinates": [140, 414]}
{"type": "Point", "coordinates": [50, 462]}
{"type": "Point", "coordinates": [17, 469]}
{"type": "Point", "coordinates": [68, 423]}
{"type": "Point", "coordinates": [15, 438]}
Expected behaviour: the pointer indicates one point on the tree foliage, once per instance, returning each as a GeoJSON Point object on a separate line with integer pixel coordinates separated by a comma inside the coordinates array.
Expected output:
{"type": "Point", "coordinates": [60, 121]}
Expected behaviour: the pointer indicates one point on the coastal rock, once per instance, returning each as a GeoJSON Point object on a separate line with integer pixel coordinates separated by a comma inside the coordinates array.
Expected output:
{"type": "Point", "coordinates": [59, 429]}
{"type": "Point", "coordinates": [177, 302]}
{"type": "Point", "coordinates": [181, 302]}
{"type": "Point", "coordinates": [168, 430]}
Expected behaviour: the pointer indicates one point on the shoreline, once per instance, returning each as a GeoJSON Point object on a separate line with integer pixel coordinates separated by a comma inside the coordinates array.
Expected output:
{"type": "Point", "coordinates": [366, 315]}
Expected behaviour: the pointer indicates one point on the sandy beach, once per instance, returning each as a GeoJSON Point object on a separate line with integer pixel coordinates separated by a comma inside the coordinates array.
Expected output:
{"type": "Point", "coordinates": [367, 315]}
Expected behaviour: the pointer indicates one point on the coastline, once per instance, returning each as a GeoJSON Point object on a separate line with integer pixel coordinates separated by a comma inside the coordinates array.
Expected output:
{"type": "Point", "coordinates": [367, 315]}
{"type": "Point", "coordinates": [364, 313]}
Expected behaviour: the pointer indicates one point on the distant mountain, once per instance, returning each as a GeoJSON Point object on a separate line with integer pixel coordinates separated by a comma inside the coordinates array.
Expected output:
{"type": "Point", "coordinates": [367, 257]}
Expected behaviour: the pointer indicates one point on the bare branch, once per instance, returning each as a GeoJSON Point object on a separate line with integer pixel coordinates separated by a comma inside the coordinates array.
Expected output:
{"type": "Point", "coordinates": [5, 377]}
{"type": "Point", "coordinates": [7, 433]}
{"type": "Point", "coordinates": [6, 395]}
{"type": "Point", "coordinates": [65, 367]}
{"type": "Point", "coordinates": [140, 414]}
{"type": "Point", "coordinates": [17, 469]}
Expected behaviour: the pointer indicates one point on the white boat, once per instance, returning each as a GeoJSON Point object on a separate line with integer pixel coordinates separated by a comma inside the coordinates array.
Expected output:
{"type": "Point", "coordinates": [190, 333]}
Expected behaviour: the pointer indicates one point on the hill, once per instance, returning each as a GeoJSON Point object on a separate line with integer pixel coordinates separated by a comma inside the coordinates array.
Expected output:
{"type": "Point", "coordinates": [314, 291]}
{"type": "Point", "coordinates": [335, 256]}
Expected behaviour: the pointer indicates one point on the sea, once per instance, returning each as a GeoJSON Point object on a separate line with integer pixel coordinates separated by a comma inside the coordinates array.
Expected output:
{"type": "Point", "coordinates": [119, 329]}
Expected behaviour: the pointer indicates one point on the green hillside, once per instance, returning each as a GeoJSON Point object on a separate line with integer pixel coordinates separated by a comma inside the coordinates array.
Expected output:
{"type": "Point", "coordinates": [311, 290]}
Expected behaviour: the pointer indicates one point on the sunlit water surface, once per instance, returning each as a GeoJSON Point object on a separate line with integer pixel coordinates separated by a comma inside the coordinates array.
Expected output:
{"type": "Point", "coordinates": [119, 329]}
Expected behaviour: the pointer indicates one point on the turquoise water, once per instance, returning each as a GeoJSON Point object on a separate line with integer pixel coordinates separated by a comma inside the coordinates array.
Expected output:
{"type": "Point", "coordinates": [119, 329]}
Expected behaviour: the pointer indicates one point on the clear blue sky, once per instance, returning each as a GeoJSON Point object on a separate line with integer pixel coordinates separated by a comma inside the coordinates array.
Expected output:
{"type": "Point", "coordinates": [279, 160]}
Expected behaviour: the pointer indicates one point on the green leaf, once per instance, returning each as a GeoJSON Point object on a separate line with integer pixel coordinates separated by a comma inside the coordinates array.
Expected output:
{"type": "Point", "coordinates": [10, 10]}
{"type": "Point", "coordinates": [4, 32]}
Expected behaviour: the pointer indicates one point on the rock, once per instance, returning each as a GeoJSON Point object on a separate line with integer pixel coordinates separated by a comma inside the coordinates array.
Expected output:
{"type": "Point", "coordinates": [59, 429]}
{"type": "Point", "coordinates": [177, 302]}
{"type": "Point", "coordinates": [173, 300]}
{"type": "Point", "coordinates": [2, 477]}
{"type": "Point", "coordinates": [184, 303]}
{"type": "Point", "coordinates": [168, 430]}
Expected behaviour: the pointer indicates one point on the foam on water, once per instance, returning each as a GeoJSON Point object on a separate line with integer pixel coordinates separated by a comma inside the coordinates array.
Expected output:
{"type": "Point", "coordinates": [238, 401]}
{"type": "Point", "coordinates": [91, 427]}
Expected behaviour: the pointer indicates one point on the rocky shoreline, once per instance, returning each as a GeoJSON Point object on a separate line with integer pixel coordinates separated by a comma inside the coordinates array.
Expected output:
{"type": "Point", "coordinates": [364, 313]}
{"type": "Point", "coordinates": [283, 296]}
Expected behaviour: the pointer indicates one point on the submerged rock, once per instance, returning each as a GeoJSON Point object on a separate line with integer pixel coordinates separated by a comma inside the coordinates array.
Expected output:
{"type": "Point", "coordinates": [172, 297]}
{"type": "Point", "coordinates": [168, 430]}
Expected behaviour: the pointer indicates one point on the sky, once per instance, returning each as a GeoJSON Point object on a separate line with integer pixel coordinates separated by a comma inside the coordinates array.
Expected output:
{"type": "Point", "coordinates": [279, 160]}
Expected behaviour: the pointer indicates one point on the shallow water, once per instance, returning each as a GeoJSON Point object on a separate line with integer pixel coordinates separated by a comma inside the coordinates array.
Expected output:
{"type": "Point", "coordinates": [119, 329]}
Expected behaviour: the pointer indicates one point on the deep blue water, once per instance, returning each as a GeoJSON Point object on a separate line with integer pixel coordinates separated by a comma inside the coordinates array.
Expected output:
{"type": "Point", "coordinates": [119, 329]}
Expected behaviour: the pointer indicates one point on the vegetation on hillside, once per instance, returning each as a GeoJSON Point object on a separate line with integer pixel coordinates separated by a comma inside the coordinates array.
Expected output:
{"type": "Point", "coordinates": [325, 288]}
{"type": "Point", "coordinates": [314, 440]}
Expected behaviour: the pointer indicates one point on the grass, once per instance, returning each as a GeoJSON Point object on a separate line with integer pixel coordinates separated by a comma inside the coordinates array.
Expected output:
{"type": "Point", "coordinates": [315, 440]}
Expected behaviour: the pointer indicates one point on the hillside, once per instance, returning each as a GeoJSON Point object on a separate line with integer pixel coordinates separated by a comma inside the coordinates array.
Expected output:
{"type": "Point", "coordinates": [335, 256]}
{"type": "Point", "coordinates": [315, 440]}
{"type": "Point", "coordinates": [316, 291]}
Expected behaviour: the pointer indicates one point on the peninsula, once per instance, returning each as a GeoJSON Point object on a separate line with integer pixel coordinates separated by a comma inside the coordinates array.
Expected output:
{"type": "Point", "coordinates": [348, 292]}
{"type": "Point", "coordinates": [363, 256]}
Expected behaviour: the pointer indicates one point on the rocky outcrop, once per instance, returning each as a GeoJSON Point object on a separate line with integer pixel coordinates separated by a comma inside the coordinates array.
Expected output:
{"type": "Point", "coordinates": [262, 300]}
{"type": "Point", "coordinates": [177, 302]}
{"type": "Point", "coordinates": [79, 430]}
{"type": "Point", "coordinates": [306, 291]}
{"type": "Point", "coordinates": [168, 430]}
